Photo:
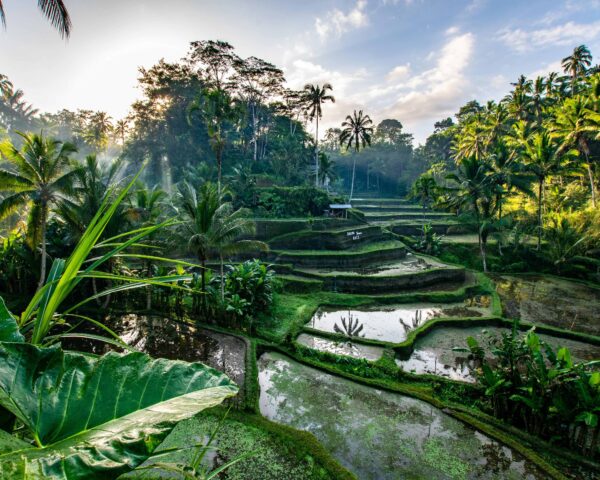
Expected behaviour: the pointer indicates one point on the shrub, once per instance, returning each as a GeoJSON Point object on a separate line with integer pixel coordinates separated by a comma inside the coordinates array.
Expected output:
{"type": "Point", "coordinates": [289, 201]}
{"type": "Point", "coordinates": [249, 285]}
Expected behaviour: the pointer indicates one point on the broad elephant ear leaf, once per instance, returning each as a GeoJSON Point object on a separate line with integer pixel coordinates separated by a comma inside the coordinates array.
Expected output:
{"type": "Point", "coordinates": [9, 330]}
{"type": "Point", "coordinates": [97, 417]}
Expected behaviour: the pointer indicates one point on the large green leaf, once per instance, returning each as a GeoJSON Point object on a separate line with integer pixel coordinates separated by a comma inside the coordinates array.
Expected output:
{"type": "Point", "coordinates": [9, 330]}
{"type": "Point", "coordinates": [97, 417]}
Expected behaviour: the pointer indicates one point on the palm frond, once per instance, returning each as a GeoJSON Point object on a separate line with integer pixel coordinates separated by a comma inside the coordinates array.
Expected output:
{"type": "Point", "coordinates": [56, 12]}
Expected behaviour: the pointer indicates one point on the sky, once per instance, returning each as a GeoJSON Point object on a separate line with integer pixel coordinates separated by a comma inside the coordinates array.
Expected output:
{"type": "Point", "coordinates": [414, 60]}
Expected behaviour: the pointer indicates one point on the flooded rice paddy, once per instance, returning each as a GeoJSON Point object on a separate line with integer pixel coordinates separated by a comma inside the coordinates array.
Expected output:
{"type": "Point", "coordinates": [378, 434]}
{"type": "Point", "coordinates": [393, 324]}
{"type": "Point", "coordinates": [433, 353]}
{"type": "Point", "coordinates": [410, 264]}
{"type": "Point", "coordinates": [348, 348]}
{"type": "Point", "coordinates": [550, 301]}
{"type": "Point", "coordinates": [163, 337]}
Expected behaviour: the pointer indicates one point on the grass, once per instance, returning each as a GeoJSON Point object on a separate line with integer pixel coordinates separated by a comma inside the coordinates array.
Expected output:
{"type": "Point", "coordinates": [291, 311]}
{"type": "Point", "coordinates": [280, 452]}
{"type": "Point", "coordinates": [361, 249]}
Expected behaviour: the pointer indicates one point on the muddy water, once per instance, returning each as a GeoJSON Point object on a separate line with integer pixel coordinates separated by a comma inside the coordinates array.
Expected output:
{"type": "Point", "coordinates": [351, 349]}
{"type": "Point", "coordinates": [434, 353]}
{"type": "Point", "coordinates": [550, 301]}
{"type": "Point", "coordinates": [167, 338]}
{"type": "Point", "coordinates": [378, 434]}
{"type": "Point", "coordinates": [392, 324]}
{"type": "Point", "coordinates": [410, 264]}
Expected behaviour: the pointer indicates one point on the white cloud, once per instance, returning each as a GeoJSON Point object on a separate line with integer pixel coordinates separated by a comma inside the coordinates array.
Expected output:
{"type": "Point", "coordinates": [475, 5]}
{"type": "Point", "coordinates": [398, 73]}
{"type": "Point", "coordinates": [567, 34]}
{"type": "Point", "coordinates": [499, 82]}
{"type": "Point", "coordinates": [546, 69]}
{"type": "Point", "coordinates": [438, 91]}
{"type": "Point", "coordinates": [452, 30]}
{"type": "Point", "coordinates": [336, 22]}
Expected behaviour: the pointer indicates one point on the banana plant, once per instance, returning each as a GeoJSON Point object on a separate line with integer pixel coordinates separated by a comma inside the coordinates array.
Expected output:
{"type": "Point", "coordinates": [90, 417]}
{"type": "Point", "coordinates": [42, 312]}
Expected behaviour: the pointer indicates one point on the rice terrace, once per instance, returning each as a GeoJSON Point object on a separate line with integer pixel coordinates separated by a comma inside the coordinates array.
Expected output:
{"type": "Point", "coordinates": [282, 240]}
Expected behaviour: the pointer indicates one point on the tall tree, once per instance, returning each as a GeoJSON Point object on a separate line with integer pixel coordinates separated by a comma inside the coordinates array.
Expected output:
{"type": "Point", "coordinates": [576, 64]}
{"type": "Point", "coordinates": [315, 97]}
{"type": "Point", "coordinates": [41, 173]}
{"type": "Point", "coordinates": [357, 130]}
{"type": "Point", "coordinates": [214, 61]}
{"type": "Point", "coordinates": [257, 81]}
{"type": "Point", "coordinates": [97, 131]}
{"type": "Point", "coordinates": [219, 112]}
{"type": "Point", "coordinates": [55, 11]}
{"type": "Point", "coordinates": [543, 158]}
{"type": "Point", "coordinates": [212, 226]}
{"type": "Point", "coordinates": [575, 125]}
{"type": "Point", "coordinates": [473, 190]}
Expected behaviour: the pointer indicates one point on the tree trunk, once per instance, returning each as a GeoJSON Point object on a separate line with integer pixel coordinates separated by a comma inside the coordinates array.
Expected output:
{"type": "Point", "coordinates": [540, 194]}
{"type": "Point", "coordinates": [222, 279]}
{"type": "Point", "coordinates": [591, 176]}
{"type": "Point", "coordinates": [353, 173]}
{"type": "Point", "coordinates": [44, 208]}
{"type": "Point", "coordinates": [219, 169]}
{"type": "Point", "coordinates": [148, 287]}
{"type": "Point", "coordinates": [482, 249]}
{"type": "Point", "coordinates": [203, 284]}
{"type": "Point", "coordinates": [254, 136]}
{"type": "Point", "coordinates": [317, 154]}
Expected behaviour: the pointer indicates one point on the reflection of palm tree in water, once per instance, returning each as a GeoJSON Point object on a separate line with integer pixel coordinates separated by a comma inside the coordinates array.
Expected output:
{"type": "Point", "coordinates": [414, 322]}
{"type": "Point", "coordinates": [350, 327]}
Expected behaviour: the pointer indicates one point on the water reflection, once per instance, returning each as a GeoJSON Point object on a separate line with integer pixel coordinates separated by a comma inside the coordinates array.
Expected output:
{"type": "Point", "coordinates": [166, 338]}
{"type": "Point", "coordinates": [434, 354]}
{"type": "Point", "coordinates": [351, 349]}
{"type": "Point", "coordinates": [392, 324]}
{"type": "Point", "coordinates": [378, 434]}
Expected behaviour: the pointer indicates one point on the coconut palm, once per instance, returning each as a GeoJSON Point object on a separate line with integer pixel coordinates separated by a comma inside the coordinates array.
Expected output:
{"type": "Point", "coordinates": [543, 158]}
{"type": "Point", "coordinates": [356, 131]}
{"type": "Point", "coordinates": [41, 173]}
{"type": "Point", "coordinates": [55, 11]}
{"type": "Point", "coordinates": [98, 129]}
{"type": "Point", "coordinates": [327, 170]}
{"type": "Point", "coordinates": [95, 180]}
{"type": "Point", "coordinates": [315, 96]}
{"type": "Point", "coordinates": [212, 226]}
{"type": "Point", "coordinates": [120, 130]}
{"type": "Point", "coordinates": [473, 190]}
{"type": "Point", "coordinates": [575, 124]}
{"type": "Point", "coordinates": [6, 86]}
{"type": "Point", "coordinates": [576, 64]}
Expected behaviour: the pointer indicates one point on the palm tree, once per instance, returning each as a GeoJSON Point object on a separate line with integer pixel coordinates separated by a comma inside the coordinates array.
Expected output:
{"type": "Point", "coordinates": [42, 173]}
{"type": "Point", "coordinates": [6, 86]}
{"type": "Point", "coordinates": [315, 96]}
{"type": "Point", "coordinates": [576, 64]}
{"type": "Point", "coordinates": [474, 190]}
{"type": "Point", "coordinates": [120, 130]}
{"type": "Point", "coordinates": [146, 206]}
{"type": "Point", "coordinates": [219, 111]}
{"type": "Point", "coordinates": [212, 226]}
{"type": "Point", "coordinates": [98, 129]}
{"type": "Point", "coordinates": [356, 130]}
{"type": "Point", "coordinates": [55, 11]}
{"type": "Point", "coordinates": [573, 124]}
{"type": "Point", "coordinates": [327, 170]}
{"type": "Point", "coordinates": [95, 183]}
{"type": "Point", "coordinates": [424, 190]}
{"type": "Point", "coordinates": [543, 158]}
